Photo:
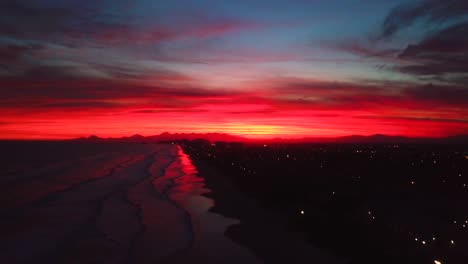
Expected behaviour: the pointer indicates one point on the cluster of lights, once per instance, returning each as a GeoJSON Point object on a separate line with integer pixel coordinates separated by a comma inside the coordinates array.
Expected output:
{"type": "Point", "coordinates": [370, 213]}
{"type": "Point", "coordinates": [422, 241]}
{"type": "Point", "coordinates": [463, 225]}
{"type": "Point", "coordinates": [437, 162]}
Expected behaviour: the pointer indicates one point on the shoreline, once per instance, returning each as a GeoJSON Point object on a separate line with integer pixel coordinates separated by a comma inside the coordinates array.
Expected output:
{"type": "Point", "coordinates": [262, 231]}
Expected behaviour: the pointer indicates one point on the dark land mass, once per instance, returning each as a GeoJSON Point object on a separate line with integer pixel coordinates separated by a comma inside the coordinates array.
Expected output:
{"type": "Point", "coordinates": [166, 137]}
{"type": "Point", "coordinates": [222, 137]}
{"type": "Point", "coordinates": [268, 232]}
{"type": "Point", "coordinates": [353, 202]}
{"type": "Point", "coordinates": [368, 203]}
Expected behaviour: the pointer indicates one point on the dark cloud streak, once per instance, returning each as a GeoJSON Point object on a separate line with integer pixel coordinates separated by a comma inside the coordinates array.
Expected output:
{"type": "Point", "coordinates": [12, 52]}
{"type": "Point", "coordinates": [355, 95]}
{"type": "Point", "coordinates": [442, 54]}
{"type": "Point", "coordinates": [435, 11]}
{"type": "Point", "coordinates": [445, 51]}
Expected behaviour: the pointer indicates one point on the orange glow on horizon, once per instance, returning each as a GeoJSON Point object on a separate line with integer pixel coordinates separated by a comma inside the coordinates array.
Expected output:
{"type": "Point", "coordinates": [280, 127]}
{"type": "Point", "coordinates": [235, 116]}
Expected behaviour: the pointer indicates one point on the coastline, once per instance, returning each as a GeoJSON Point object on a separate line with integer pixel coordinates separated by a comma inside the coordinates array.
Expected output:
{"type": "Point", "coordinates": [135, 203]}
{"type": "Point", "coordinates": [262, 231]}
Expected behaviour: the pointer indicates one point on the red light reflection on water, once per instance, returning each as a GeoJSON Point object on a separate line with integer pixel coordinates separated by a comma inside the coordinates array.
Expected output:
{"type": "Point", "coordinates": [188, 184]}
{"type": "Point", "coordinates": [187, 166]}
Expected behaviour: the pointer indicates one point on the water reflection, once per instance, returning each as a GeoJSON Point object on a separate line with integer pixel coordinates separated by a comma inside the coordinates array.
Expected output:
{"type": "Point", "coordinates": [189, 183]}
{"type": "Point", "coordinates": [208, 228]}
{"type": "Point", "coordinates": [182, 185]}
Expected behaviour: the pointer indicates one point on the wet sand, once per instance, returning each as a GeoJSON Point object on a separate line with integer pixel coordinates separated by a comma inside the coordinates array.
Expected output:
{"type": "Point", "coordinates": [134, 203]}
{"type": "Point", "coordinates": [144, 206]}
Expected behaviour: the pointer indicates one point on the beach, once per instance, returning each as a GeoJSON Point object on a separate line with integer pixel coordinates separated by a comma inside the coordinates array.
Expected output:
{"type": "Point", "coordinates": [133, 203]}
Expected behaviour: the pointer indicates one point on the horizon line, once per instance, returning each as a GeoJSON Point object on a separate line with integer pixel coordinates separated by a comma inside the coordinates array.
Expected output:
{"type": "Point", "coordinates": [243, 137]}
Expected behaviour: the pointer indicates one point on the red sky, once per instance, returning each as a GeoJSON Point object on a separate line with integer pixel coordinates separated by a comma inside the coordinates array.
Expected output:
{"type": "Point", "coordinates": [304, 70]}
{"type": "Point", "coordinates": [300, 110]}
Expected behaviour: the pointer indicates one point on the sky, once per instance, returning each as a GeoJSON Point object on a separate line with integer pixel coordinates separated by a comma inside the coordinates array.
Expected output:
{"type": "Point", "coordinates": [260, 69]}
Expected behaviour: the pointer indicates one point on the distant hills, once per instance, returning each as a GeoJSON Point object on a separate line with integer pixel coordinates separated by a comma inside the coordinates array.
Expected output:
{"type": "Point", "coordinates": [384, 139]}
{"type": "Point", "coordinates": [353, 139]}
{"type": "Point", "coordinates": [172, 137]}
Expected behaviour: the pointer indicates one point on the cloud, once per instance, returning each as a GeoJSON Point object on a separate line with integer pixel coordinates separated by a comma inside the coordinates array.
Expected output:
{"type": "Point", "coordinates": [59, 87]}
{"type": "Point", "coordinates": [297, 93]}
{"type": "Point", "coordinates": [167, 110]}
{"type": "Point", "coordinates": [367, 50]}
{"type": "Point", "coordinates": [292, 103]}
{"type": "Point", "coordinates": [439, 94]}
{"type": "Point", "coordinates": [445, 51]}
{"type": "Point", "coordinates": [80, 104]}
{"type": "Point", "coordinates": [324, 91]}
{"type": "Point", "coordinates": [90, 40]}
{"type": "Point", "coordinates": [52, 87]}
{"type": "Point", "coordinates": [432, 11]}
{"type": "Point", "coordinates": [13, 52]}
{"type": "Point", "coordinates": [90, 24]}
{"type": "Point", "coordinates": [420, 120]}
{"type": "Point", "coordinates": [441, 56]}
{"type": "Point", "coordinates": [19, 19]}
